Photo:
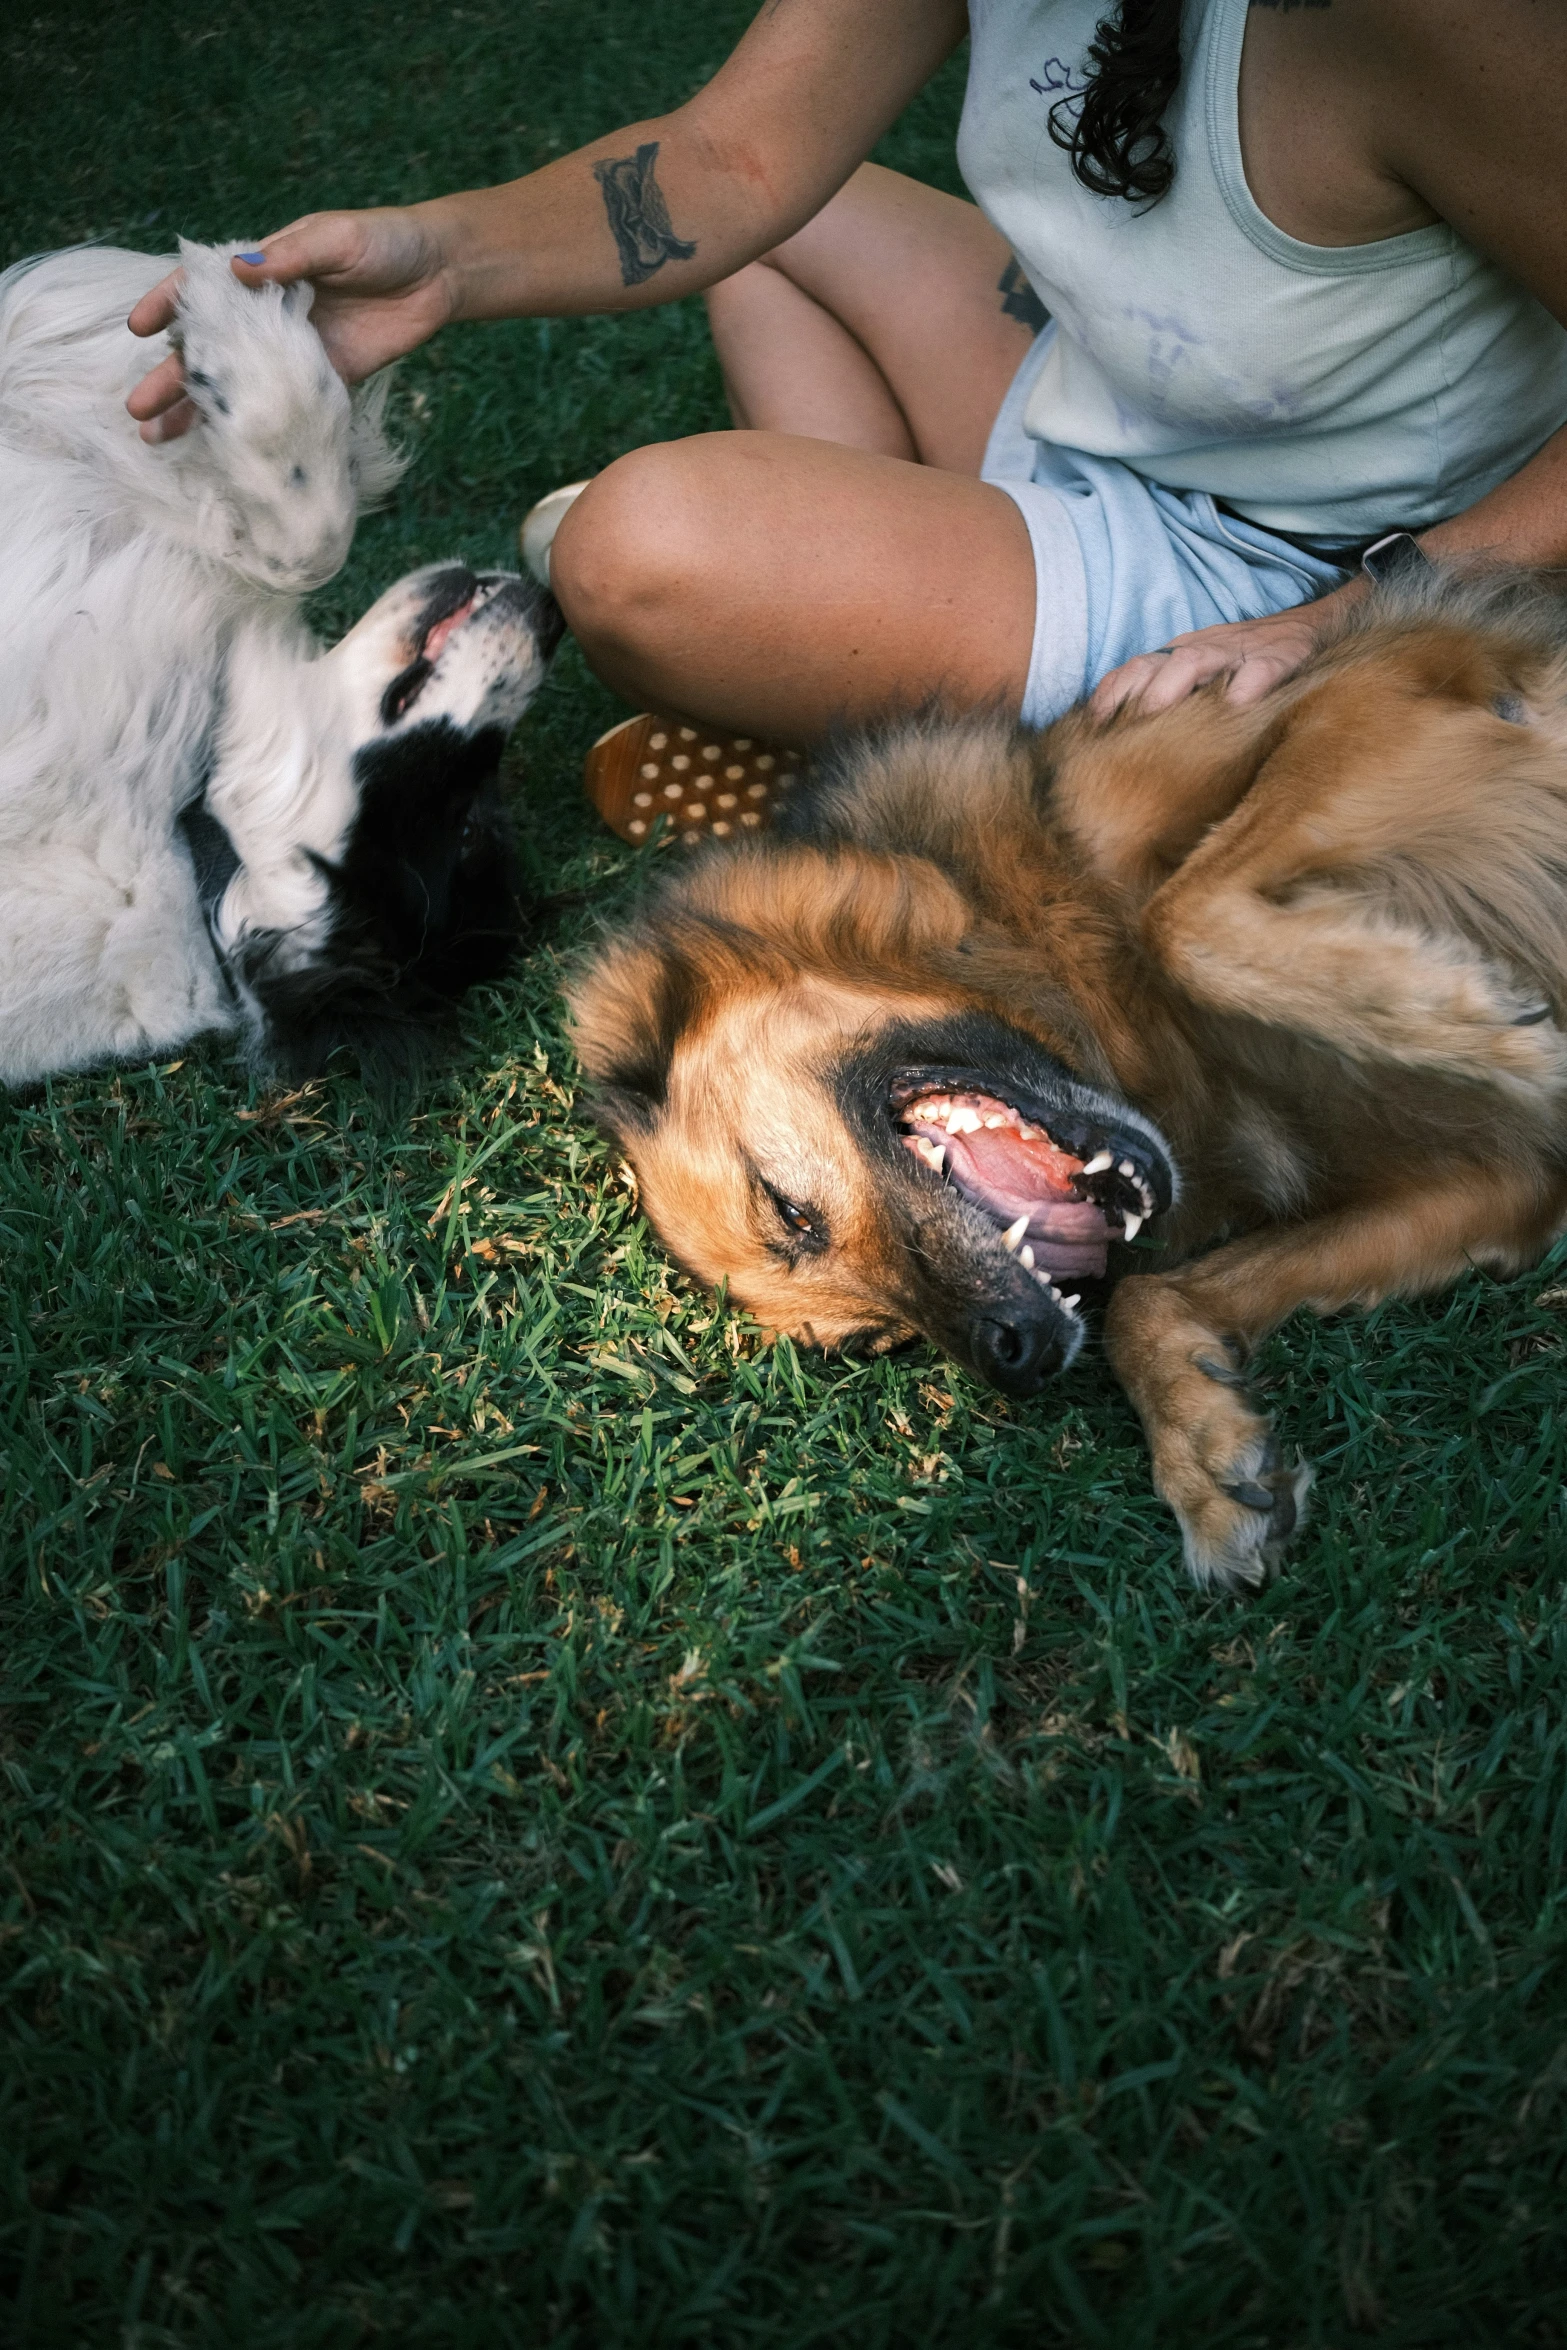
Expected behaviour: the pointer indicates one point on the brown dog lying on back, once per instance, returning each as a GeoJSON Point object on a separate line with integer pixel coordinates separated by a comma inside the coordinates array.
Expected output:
{"type": "Point", "coordinates": [1286, 978]}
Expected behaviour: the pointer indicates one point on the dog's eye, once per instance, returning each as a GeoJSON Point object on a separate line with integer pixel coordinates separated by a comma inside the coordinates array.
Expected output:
{"type": "Point", "coordinates": [802, 1224]}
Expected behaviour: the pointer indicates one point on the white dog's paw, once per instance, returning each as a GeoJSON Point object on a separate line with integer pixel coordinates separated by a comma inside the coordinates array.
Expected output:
{"type": "Point", "coordinates": [274, 459]}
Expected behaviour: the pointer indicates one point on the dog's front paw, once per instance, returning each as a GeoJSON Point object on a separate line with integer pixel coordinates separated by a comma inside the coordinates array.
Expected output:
{"type": "Point", "coordinates": [1218, 1465]}
{"type": "Point", "coordinates": [272, 458]}
{"type": "Point", "coordinates": [1215, 1460]}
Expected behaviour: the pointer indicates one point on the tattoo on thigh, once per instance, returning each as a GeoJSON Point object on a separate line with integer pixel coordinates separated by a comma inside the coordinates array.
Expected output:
{"type": "Point", "coordinates": [638, 215]}
{"type": "Point", "coordinates": [1019, 300]}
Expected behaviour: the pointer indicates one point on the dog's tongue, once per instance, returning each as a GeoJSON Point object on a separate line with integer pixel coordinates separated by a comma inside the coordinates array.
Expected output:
{"type": "Point", "coordinates": [1009, 1177]}
{"type": "Point", "coordinates": [1003, 1161]}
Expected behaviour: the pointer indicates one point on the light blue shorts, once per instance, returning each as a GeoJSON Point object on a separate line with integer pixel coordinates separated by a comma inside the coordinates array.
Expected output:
{"type": "Point", "coordinates": [1122, 564]}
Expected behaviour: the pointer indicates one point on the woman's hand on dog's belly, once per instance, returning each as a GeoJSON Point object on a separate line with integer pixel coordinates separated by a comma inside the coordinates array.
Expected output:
{"type": "Point", "coordinates": [1253, 656]}
{"type": "Point", "coordinates": [381, 290]}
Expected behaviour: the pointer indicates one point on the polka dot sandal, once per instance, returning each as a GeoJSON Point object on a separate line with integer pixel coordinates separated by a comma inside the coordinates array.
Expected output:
{"type": "Point", "coordinates": [700, 780]}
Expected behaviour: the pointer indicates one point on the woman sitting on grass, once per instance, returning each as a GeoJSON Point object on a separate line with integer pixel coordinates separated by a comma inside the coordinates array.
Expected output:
{"type": "Point", "coordinates": [1304, 264]}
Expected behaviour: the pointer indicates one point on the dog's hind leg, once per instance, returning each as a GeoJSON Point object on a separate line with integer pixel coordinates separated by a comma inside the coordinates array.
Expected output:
{"type": "Point", "coordinates": [1177, 1340]}
{"type": "Point", "coordinates": [1139, 793]}
{"type": "Point", "coordinates": [1296, 910]}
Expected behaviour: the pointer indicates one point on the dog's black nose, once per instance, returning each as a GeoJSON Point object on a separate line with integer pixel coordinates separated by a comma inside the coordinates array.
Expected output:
{"type": "Point", "coordinates": [524, 598]}
{"type": "Point", "coordinates": [1018, 1357]}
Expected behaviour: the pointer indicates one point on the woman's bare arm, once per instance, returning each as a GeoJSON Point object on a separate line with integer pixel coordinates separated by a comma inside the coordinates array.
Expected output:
{"type": "Point", "coordinates": [658, 209]}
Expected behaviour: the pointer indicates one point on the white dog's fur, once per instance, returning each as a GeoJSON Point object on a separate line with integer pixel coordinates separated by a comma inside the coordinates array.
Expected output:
{"type": "Point", "coordinates": [154, 657]}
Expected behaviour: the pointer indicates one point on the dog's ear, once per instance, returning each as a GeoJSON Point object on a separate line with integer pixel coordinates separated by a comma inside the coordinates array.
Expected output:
{"type": "Point", "coordinates": [628, 1008]}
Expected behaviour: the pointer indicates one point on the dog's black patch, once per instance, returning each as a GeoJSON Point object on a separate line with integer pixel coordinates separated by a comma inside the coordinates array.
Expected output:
{"type": "Point", "coordinates": [626, 1099]}
{"type": "Point", "coordinates": [425, 902]}
{"type": "Point", "coordinates": [213, 856]}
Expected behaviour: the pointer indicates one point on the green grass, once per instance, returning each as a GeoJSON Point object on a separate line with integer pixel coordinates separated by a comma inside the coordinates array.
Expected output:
{"type": "Point", "coordinates": [531, 1818]}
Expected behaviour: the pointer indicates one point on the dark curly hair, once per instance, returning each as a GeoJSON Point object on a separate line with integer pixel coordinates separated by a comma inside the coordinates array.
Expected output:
{"type": "Point", "coordinates": [1114, 131]}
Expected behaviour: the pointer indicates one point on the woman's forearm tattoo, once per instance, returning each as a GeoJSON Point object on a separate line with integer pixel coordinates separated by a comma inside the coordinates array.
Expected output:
{"type": "Point", "coordinates": [638, 216]}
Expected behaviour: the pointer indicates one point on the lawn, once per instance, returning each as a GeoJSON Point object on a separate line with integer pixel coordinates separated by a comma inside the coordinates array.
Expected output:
{"type": "Point", "coordinates": [532, 1817]}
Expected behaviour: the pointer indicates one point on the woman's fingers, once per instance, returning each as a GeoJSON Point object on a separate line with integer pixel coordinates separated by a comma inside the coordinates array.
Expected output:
{"type": "Point", "coordinates": [1269, 664]}
{"type": "Point", "coordinates": [156, 308]}
{"type": "Point", "coordinates": [1155, 681]}
{"type": "Point", "coordinates": [1253, 656]}
{"type": "Point", "coordinates": [320, 246]}
{"type": "Point", "coordinates": [1181, 670]}
{"type": "Point", "coordinates": [170, 423]}
{"type": "Point", "coordinates": [157, 390]}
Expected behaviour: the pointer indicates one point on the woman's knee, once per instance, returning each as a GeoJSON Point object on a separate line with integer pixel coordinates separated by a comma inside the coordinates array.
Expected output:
{"type": "Point", "coordinates": [637, 546]}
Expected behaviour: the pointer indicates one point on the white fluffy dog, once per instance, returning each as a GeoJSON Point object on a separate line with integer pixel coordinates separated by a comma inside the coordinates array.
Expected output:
{"type": "Point", "coordinates": [207, 823]}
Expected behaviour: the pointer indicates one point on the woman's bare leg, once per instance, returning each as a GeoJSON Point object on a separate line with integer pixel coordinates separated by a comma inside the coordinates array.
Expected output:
{"type": "Point", "coordinates": [837, 558]}
{"type": "Point", "coordinates": [785, 586]}
{"type": "Point", "coordinates": [882, 324]}
{"type": "Point", "coordinates": [790, 366]}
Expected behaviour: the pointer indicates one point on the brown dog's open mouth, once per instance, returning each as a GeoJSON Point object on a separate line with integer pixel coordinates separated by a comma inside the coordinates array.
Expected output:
{"type": "Point", "coordinates": [1056, 1210]}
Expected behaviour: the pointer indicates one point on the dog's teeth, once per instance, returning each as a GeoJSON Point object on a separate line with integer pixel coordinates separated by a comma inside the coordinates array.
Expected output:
{"type": "Point", "coordinates": [1028, 1133]}
{"type": "Point", "coordinates": [1098, 1163]}
{"type": "Point", "coordinates": [996, 1119]}
{"type": "Point", "coordinates": [1026, 1256]}
{"type": "Point", "coordinates": [1014, 1232]}
{"type": "Point", "coordinates": [1131, 1228]}
{"type": "Point", "coordinates": [1125, 1167]}
{"type": "Point", "coordinates": [931, 1152]}
{"type": "Point", "coordinates": [1072, 1303]}
{"type": "Point", "coordinates": [963, 1121]}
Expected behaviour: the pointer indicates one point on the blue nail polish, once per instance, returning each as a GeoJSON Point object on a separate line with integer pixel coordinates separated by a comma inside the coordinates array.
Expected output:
{"type": "Point", "coordinates": [255, 259]}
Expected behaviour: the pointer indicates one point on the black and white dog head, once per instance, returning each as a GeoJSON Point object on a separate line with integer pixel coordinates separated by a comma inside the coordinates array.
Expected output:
{"type": "Point", "coordinates": [353, 854]}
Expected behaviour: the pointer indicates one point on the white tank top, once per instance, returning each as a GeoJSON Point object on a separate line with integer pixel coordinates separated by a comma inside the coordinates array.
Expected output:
{"type": "Point", "coordinates": [1332, 391]}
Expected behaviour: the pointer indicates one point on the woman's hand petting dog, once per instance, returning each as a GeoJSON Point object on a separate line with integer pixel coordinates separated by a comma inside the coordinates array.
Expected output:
{"type": "Point", "coordinates": [1251, 656]}
{"type": "Point", "coordinates": [381, 290]}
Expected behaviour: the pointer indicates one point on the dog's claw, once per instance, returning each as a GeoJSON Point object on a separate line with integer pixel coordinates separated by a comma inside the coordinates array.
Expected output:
{"type": "Point", "coordinates": [1274, 1493]}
